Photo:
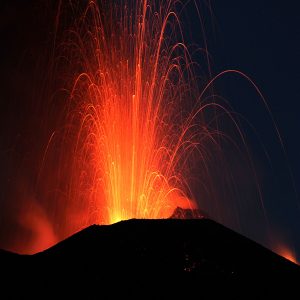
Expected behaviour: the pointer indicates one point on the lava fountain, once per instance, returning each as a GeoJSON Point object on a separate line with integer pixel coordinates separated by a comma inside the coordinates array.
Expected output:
{"type": "Point", "coordinates": [127, 138]}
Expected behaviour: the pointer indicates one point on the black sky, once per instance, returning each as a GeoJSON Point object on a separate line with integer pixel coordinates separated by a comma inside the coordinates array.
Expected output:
{"type": "Point", "coordinates": [262, 39]}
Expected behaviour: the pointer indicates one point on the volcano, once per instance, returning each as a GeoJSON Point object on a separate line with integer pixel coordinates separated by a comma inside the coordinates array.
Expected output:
{"type": "Point", "coordinates": [149, 259]}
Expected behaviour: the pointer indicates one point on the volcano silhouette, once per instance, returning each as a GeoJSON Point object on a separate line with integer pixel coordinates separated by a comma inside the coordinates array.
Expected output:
{"type": "Point", "coordinates": [156, 259]}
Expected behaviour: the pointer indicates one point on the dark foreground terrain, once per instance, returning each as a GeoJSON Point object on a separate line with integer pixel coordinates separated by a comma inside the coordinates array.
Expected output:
{"type": "Point", "coordinates": [156, 259]}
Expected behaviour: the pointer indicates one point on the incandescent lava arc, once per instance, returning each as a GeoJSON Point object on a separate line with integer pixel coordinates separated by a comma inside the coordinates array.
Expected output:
{"type": "Point", "coordinates": [126, 142]}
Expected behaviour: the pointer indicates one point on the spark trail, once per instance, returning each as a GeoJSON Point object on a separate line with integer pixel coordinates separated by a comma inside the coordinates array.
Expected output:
{"type": "Point", "coordinates": [131, 139]}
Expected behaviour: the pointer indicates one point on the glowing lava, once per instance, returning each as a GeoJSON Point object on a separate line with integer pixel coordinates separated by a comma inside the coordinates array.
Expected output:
{"type": "Point", "coordinates": [287, 253]}
{"type": "Point", "coordinates": [124, 111]}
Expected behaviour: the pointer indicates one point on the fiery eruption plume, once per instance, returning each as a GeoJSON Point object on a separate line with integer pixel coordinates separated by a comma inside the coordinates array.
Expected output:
{"type": "Point", "coordinates": [124, 111]}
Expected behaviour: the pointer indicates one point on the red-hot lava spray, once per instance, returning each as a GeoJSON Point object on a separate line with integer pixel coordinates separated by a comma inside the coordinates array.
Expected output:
{"type": "Point", "coordinates": [121, 145]}
{"type": "Point", "coordinates": [124, 112]}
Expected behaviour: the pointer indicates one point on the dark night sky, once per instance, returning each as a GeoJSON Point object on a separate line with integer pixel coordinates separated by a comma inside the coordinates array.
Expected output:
{"type": "Point", "coordinates": [260, 38]}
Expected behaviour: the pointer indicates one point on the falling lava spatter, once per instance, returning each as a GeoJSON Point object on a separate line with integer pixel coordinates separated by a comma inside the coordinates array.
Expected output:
{"type": "Point", "coordinates": [125, 106]}
{"type": "Point", "coordinates": [126, 132]}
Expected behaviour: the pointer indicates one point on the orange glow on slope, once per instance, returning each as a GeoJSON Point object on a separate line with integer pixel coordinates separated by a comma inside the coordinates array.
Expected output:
{"type": "Point", "coordinates": [288, 253]}
{"type": "Point", "coordinates": [37, 223]}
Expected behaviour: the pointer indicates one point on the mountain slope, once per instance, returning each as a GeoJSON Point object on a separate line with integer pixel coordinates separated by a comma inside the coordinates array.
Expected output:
{"type": "Point", "coordinates": [150, 258]}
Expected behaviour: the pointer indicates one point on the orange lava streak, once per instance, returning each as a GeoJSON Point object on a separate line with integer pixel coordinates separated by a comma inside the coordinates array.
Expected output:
{"type": "Point", "coordinates": [288, 253]}
{"type": "Point", "coordinates": [127, 153]}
